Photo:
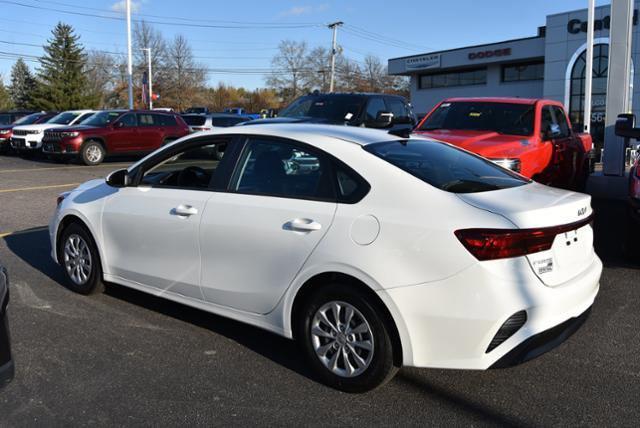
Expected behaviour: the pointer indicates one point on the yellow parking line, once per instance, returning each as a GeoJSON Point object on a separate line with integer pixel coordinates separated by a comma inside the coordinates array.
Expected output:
{"type": "Point", "coordinates": [22, 232]}
{"type": "Point", "coordinates": [63, 167]}
{"type": "Point", "coordinates": [55, 186]}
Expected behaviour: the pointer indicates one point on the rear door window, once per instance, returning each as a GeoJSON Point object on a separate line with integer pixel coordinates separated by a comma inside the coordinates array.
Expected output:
{"type": "Point", "coordinates": [272, 167]}
{"type": "Point", "coordinates": [375, 106]}
{"type": "Point", "coordinates": [445, 167]}
{"type": "Point", "coordinates": [146, 120]}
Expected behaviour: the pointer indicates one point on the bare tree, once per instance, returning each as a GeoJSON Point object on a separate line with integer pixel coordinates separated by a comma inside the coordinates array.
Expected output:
{"type": "Point", "coordinates": [318, 72]}
{"type": "Point", "coordinates": [185, 79]}
{"type": "Point", "coordinates": [145, 36]}
{"type": "Point", "coordinates": [289, 68]}
{"type": "Point", "coordinates": [102, 76]}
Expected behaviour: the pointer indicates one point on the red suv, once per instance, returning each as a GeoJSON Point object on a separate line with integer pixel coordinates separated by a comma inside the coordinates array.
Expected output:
{"type": "Point", "coordinates": [114, 132]}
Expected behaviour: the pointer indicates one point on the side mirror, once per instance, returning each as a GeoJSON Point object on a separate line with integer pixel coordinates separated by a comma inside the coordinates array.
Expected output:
{"type": "Point", "coordinates": [552, 131]}
{"type": "Point", "coordinates": [119, 178]}
{"type": "Point", "coordinates": [626, 126]}
{"type": "Point", "coordinates": [383, 119]}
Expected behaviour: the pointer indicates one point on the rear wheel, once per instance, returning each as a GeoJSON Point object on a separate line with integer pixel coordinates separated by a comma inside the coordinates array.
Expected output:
{"type": "Point", "coordinates": [92, 153]}
{"type": "Point", "coordinates": [346, 342]}
{"type": "Point", "coordinates": [80, 260]}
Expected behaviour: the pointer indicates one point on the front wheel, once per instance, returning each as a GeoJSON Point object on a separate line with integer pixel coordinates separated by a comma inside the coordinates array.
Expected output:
{"type": "Point", "coordinates": [346, 342]}
{"type": "Point", "coordinates": [92, 153]}
{"type": "Point", "coordinates": [80, 259]}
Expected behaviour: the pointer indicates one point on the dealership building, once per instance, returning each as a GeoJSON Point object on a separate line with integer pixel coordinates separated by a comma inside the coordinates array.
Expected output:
{"type": "Point", "coordinates": [548, 65]}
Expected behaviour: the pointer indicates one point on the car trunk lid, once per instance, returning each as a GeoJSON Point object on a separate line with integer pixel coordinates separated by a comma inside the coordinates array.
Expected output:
{"type": "Point", "coordinates": [535, 206]}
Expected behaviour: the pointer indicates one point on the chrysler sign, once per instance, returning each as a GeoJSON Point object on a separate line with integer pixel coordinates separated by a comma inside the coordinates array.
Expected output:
{"type": "Point", "coordinates": [423, 62]}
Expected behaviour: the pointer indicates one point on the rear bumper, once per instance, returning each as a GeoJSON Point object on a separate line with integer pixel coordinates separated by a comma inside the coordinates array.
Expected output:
{"type": "Point", "coordinates": [451, 323]}
{"type": "Point", "coordinates": [542, 342]}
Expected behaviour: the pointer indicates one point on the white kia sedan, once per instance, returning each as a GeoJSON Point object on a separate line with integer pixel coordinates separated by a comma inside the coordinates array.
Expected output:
{"type": "Point", "coordinates": [371, 250]}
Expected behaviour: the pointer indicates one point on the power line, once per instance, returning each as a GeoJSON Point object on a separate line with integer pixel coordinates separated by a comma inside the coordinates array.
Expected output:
{"type": "Point", "coordinates": [177, 17]}
{"type": "Point", "coordinates": [178, 24]}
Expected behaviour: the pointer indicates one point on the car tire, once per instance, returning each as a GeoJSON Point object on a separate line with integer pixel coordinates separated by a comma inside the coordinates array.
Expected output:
{"type": "Point", "coordinates": [326, 343]}
{"type": "Point", "coordinates": [92, 153]}
{"type": "Point", "coordinates": [80, 260]}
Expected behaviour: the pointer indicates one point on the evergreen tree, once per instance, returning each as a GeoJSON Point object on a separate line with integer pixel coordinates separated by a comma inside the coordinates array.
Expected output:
{"type": "Point", "coordinates": [62, 84]}
{"type": "Point", "coordinates": [5, 99]}
{"type": "Point", "coordinates": [22, 86]}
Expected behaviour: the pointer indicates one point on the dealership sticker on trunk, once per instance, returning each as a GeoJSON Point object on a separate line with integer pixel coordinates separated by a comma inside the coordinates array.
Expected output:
{"type": "Point", "coordinates": [543, 265]}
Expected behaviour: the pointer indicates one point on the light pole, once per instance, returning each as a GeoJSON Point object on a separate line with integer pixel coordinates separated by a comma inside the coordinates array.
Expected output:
{"type": "Point", "coordinates": [149, 78]}
{"type": "Point", "coordinates": [130, 55]}
{"type": "Point", "coordinates": [334, 50]}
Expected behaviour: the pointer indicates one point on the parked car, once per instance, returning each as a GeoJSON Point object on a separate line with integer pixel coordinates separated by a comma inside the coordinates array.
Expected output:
{"type": "Point", "coordinates": [27, 139]}
{"type": "Point", "coordinates": [6, 131]}
{"type": "Point", "coordinates": [114, 132]}
{"type": "Point", "coordinates": [241, 112]}
{"type": "Point", "coordinates": [376, 251]}
{"type": "Point", "coordinates": [389, 112]}
{"type": "Point", "coordinates": [206, 122]}
{"type": "Point", "coordinates": [6, 361]}
{"type": "Point", "coordinates": [8, 117]}
{"type": "Point", "coordinates": [197, 110]}
{"type": "Point", "coordinates": [531, 136]}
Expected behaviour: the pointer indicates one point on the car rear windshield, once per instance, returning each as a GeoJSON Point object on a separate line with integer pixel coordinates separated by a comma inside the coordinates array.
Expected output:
{"type": "Point", "coordinates": [335, 108]}
{"type": "Point", "coordinates": [103, 118]}
{"type": "Point", "coordinates": [503, 118]}
{"type": "Point", "coordinates": [195, 120]}
{"type": "Point", "coordinates": [446, 167]}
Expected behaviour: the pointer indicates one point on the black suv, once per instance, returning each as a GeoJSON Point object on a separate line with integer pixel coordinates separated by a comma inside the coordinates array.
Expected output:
{"type": "Point", "coordinates": [388, 112]}
{"type": "Point", "coordinates": [6, 363]}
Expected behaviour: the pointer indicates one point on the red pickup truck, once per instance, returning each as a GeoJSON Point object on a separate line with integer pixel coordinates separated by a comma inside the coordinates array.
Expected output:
{"type": "Point", "coordinates": [530, 136]}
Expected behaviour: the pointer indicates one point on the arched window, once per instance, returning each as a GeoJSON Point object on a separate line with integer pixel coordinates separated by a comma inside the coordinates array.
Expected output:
{"type": "Point", "coordinates": [598, 92]}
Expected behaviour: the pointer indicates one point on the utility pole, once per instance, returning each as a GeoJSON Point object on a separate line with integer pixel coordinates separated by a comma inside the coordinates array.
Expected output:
{"type": "Point", "coordinates": [334, 50]}
{"type": "Point", "coordinates": [130, 55]}
{"type": "Point", "coordinates": [588, 70]}
{"type": "Point", "coordinates": [149, 78]}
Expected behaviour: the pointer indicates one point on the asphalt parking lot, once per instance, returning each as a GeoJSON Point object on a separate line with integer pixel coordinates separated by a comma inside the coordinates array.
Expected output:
{"type": "Point", "coordinates": [127, 358]}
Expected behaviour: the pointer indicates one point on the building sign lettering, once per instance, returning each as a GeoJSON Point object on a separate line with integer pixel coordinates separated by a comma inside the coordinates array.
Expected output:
{"type": "Point", "coordinates": [490, 53]}
{"type": "Point", "coordinates": [423, 62]}
{"type": "Point", "coordinates": [576, 26]}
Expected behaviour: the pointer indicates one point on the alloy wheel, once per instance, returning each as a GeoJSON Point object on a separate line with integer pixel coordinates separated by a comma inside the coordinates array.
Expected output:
{"type": "Point", "coordinates": [77, 259]}
{"type": "Point", "coordinates": [342, 339]}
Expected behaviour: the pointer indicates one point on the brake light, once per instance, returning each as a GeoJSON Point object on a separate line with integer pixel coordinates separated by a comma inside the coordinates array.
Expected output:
{"type": "Point", "coordinates": [493, 244]}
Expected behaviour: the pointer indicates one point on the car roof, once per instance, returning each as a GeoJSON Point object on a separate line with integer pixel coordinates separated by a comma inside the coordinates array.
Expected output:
{"type": "Point", "coordinates": [301, 131]}
{"type": "Point", "coordinates": [509, 100]}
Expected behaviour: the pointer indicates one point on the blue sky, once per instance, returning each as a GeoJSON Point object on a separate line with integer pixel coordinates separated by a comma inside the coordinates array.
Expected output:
{"type": "Point", "coordinates": [415, 27]}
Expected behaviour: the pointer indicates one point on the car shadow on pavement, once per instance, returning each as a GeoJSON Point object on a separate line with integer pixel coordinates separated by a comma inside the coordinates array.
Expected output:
{"type": "Point", "coordinates": [614, 238]}
{"type": "Point", "coordinates": [278, 349]}
{"type": "Point", "coordinates": [34, 248]}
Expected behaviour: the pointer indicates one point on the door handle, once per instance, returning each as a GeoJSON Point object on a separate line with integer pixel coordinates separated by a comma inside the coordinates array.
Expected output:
{"type": "Point", "coordinates": [184, 210]}
{"type": "Point", "coordinates": [302, 225]}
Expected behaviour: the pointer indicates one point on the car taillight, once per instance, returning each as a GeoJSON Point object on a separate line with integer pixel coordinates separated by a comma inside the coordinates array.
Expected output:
{"type": "Point", "coordinates": [493, 244]}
